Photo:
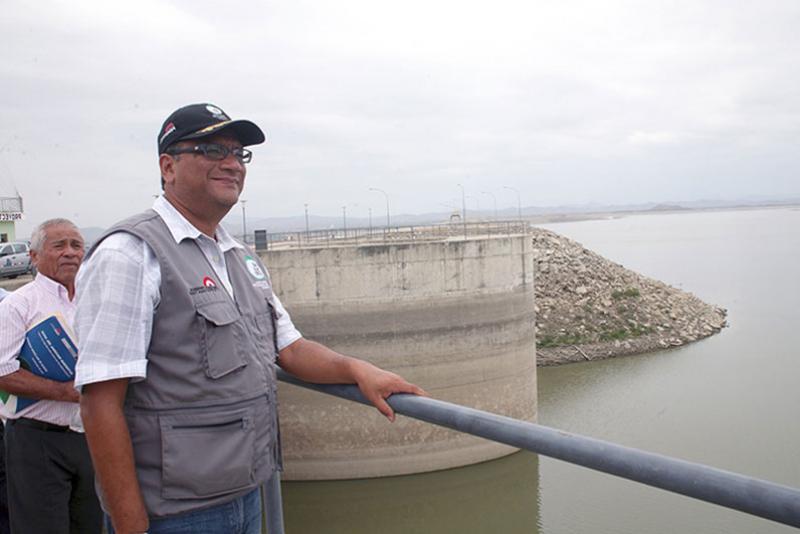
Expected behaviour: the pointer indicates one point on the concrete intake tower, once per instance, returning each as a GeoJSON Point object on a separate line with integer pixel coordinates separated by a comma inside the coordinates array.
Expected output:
{"type": "Point", "coordinates": [451, 312]}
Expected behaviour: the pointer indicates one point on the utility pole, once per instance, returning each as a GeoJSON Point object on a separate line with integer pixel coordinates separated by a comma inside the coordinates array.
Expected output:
{"type": "Point", "coordinates": [388, 220]}
{"type": "Point", "coordinates": [463, 209]}
{"type": "Point", "coordinates": [306, 207]}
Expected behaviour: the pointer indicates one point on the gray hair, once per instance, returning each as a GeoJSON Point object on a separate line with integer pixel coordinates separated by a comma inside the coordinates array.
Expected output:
{"type": "Point", "coordinates": [39, 235]}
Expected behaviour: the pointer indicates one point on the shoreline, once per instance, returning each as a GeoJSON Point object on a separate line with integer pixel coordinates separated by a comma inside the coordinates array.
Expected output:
{"type": "Point", "coordinates": [589, 307]}
{"type": "Point", "coordinates": [566, 354]}
{"type": "Point", "coordinates": [555, 218]}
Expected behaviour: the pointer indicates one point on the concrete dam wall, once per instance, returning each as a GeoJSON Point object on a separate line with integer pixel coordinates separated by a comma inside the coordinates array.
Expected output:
{"type": "Point", "coordinates": [453, 316]}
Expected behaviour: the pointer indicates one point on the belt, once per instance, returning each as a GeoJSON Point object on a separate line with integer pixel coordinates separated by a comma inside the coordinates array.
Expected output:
{"type": "Point", "coordinates": [39, 425]}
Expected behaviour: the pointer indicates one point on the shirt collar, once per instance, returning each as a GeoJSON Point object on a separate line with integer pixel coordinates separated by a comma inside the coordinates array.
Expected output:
{"type": "Point", "coordinates": [51, 286]}
{"type": "Point", "coordinates": [181, 228]}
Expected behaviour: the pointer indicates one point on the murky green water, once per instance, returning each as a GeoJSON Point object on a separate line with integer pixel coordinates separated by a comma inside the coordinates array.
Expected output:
{"type": "Point", "coordinates": [731, 401]}
{"type": "Point", "coordinates": [499, 496]}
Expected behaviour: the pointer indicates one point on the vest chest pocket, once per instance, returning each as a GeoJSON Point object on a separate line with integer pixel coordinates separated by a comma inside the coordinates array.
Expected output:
{"type": "Point", "coordinates": [209, 454]}
{"type": "Point", "coordinates": [221, 334]}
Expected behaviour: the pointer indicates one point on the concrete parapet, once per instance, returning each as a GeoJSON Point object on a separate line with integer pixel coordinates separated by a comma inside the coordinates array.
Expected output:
{"type": "Point", "coordinates": [455, 317]}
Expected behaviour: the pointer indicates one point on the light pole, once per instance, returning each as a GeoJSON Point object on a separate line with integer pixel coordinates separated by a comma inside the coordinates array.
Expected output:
{"type": "Point", "coordinates": [494, 198]}
{"type": "Point", "coordinates": [244, 223]}
{"type": "Point", "coordinates": [463, 209]}
{"type": "Point", "coordinates": [370, 220]}
{"type": "Point", "coordinates": [519, 202]}
{"type": "Point", "coordinates": [306, 208]}
{"type": "Point", "coordinates": [344, 220]}
{"type": "Point", "coordinates": [388, 220]}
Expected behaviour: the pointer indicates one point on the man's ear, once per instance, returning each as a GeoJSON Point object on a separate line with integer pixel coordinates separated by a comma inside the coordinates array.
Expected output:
{"type": "Point", "coordinates": [34, 257]}
{"type": "Point", "coordinates": [167, 165]}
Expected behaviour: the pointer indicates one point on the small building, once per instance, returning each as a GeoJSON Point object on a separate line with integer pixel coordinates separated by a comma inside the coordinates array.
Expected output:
{"type": "Point", "coordinates": [10, 212]}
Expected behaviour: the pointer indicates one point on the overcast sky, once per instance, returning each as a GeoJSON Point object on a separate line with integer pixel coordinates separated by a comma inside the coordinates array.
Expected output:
{"type": "Point", "coordinates": [569, 102]}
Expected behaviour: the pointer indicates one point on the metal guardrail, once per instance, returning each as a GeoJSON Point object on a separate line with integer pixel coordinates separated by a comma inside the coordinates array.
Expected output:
{"type": "Point", "coordinates": [745, 494]}
{"type": "Point", "coordinates": [396, 234]}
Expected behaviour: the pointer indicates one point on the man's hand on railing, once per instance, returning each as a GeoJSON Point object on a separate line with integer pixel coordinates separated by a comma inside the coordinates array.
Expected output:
{"type": "Point", "coordinates": [377, 385]}
{"type": "Point", "coordinates": [314, 362]}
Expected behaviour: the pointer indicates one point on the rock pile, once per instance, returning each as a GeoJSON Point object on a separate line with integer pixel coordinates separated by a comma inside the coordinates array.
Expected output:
{"type": "Point", "coordinates": [588, 307]}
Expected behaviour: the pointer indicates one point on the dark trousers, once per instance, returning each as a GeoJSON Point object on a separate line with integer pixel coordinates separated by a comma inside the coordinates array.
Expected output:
{"type": "Point", "coordinates": [50, 482]}
{"type": "Point", "coordinates": [4, 526]}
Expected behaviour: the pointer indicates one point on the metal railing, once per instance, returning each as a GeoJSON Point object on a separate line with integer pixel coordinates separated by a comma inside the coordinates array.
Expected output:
{"type": "Point", "coordinates": [745, 494]}
{"type": "Point", "coordinates": [396, 234]}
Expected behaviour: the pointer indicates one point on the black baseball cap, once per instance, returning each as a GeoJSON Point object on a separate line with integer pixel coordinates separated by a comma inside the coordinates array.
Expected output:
{"type": "Point", "coordinates": [200, 120]}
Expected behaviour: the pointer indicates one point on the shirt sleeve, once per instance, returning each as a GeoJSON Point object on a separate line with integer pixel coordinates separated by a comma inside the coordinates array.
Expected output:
{"type": "Point", "coordinates": [12, 334]}
{"type": "Point", "coordinates": [117, 290]}
{"type": "Point", "coordinates": [287, 333]}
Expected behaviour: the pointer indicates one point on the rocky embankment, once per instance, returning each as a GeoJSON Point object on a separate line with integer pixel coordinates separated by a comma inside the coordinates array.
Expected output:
{"type": "Point", "coordinates": [588, 307]}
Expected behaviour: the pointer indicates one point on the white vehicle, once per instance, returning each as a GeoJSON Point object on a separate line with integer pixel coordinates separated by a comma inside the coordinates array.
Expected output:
{"type": "Point", "coordinates": [15, 259]}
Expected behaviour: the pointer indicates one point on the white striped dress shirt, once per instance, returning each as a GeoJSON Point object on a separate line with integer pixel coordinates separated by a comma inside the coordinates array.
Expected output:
{"type": "Point", "coordinates": [119, 290]}
{"type": "Point", "coordinates": [18, 312]}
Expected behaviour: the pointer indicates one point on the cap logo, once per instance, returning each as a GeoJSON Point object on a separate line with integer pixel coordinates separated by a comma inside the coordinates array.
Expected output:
{"type": "Point", "coordinates": [213, 127]}
{"type": "Point", "coordinates": [216, 113]}
{"type": "Point", "coordinates": [168, 129]}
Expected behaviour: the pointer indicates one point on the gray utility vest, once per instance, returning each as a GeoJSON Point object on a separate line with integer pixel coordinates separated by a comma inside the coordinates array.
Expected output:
{"type": "Point", "coordinates": [204, 422]}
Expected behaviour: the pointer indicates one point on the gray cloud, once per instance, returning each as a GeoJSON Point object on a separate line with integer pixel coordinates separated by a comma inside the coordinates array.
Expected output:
{"type": "Point", "coordinates": [569, 102]}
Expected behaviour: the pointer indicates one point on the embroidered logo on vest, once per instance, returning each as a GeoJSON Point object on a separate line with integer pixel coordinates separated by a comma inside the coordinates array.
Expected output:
{"type": "Point", "coordinates": [254, 268]}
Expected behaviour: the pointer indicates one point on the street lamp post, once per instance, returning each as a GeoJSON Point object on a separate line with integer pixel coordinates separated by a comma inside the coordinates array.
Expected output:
{"type": "Point", "coordinates": [306, 209]}
{"type": "Point", "coordinates": [494, 198]}
{"type": "Point", "coordinates": [519, 202]}
{"type": "Point", "coordinates": [388, 220]}
{"type": "Point", "coordinates": [244, 223]}
{"type": "Point", "coordinates": [344, 220]}
{"type": "Point", "coordinates": [370, 220]}
{"type": "Point", "coordinates": [463, 209]}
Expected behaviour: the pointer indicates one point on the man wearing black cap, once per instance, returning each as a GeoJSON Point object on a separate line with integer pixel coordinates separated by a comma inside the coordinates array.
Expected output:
{"type": "Point", "coordinates": [179, 336]}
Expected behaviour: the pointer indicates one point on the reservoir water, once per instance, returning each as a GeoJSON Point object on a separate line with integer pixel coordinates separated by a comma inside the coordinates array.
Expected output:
{"type": "Point", "coordinates": [731, 401]}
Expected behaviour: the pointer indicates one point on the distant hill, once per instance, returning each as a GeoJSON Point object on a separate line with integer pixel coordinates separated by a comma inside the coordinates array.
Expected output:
{"type": "Point", "coordinates": [297, 223]}
{"type": "Point", "coordinates": [536, 213]}
{"type": "Point", "coordinates": [667, 207]}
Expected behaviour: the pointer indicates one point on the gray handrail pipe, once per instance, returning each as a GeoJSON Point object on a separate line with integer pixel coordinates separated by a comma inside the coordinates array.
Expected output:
{"type": "Point", "coordinates": [756, 497]}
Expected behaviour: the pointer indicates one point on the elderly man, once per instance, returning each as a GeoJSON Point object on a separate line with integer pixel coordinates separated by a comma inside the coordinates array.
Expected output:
{"type": "Point", "coordinates": [180, 333]}
{"type": "Point", "coordinates": [50, 477]}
